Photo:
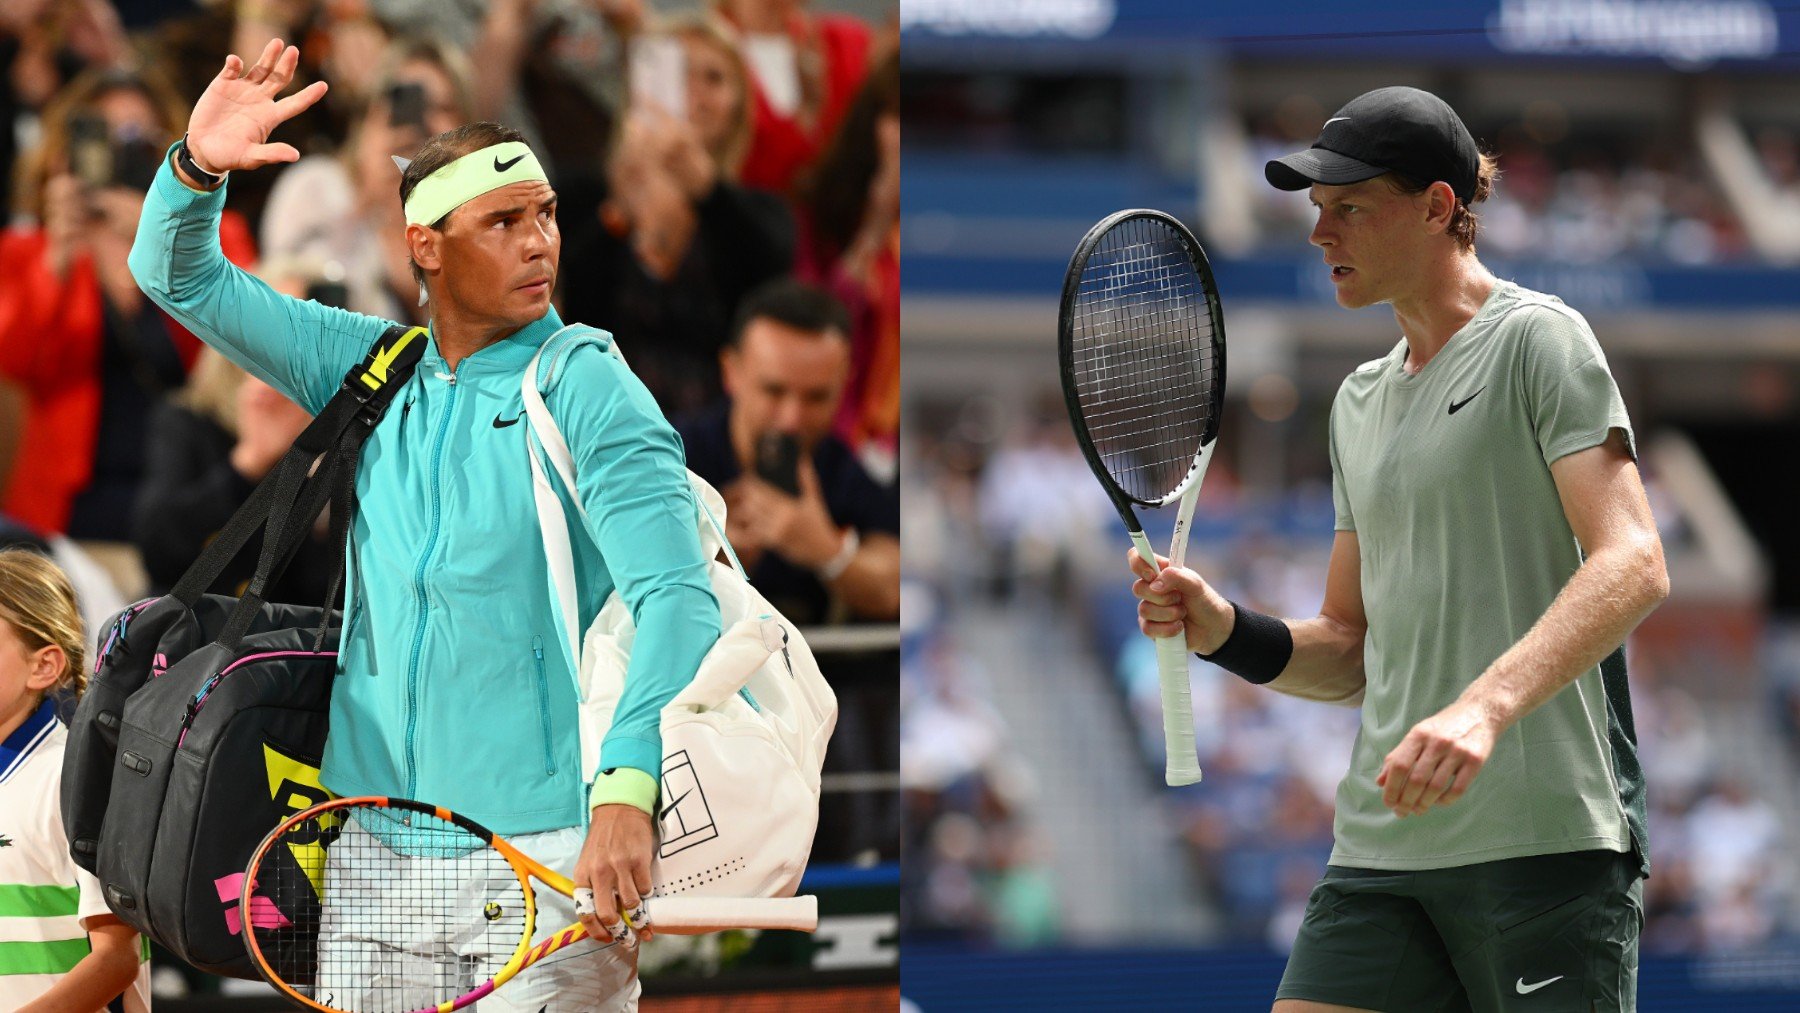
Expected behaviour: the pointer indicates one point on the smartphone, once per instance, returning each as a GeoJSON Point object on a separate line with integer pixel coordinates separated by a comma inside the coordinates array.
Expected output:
{"type": "Point", "coordinates": [90, 151]}
{"type": "Point", "coordinates": [778, 462]}
{"type": "Point", "coordinates": [134, 163]}
{"type": "Point", "coordinates": [406, 105]}
{"type": "Point", "coordinates": [659, 74]}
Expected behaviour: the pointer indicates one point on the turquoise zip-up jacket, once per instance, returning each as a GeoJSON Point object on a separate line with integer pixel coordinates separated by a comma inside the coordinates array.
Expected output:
{"type": "Point", "coordinates": [454, 685]}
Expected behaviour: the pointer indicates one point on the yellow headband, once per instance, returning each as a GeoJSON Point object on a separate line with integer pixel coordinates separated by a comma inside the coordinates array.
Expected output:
{"type": "Point", "coordinates": [469, 177]}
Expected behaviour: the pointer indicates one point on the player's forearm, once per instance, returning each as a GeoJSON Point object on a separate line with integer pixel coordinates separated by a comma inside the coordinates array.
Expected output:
{"type": "Point", "coordinates": [1612, 591]}
{"type": "Point", "coordinates": [1327, 663]}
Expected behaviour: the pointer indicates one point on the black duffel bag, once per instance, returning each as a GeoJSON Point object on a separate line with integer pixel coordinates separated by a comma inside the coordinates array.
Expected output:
{"type": "Point", "coordinates": [204, 721]}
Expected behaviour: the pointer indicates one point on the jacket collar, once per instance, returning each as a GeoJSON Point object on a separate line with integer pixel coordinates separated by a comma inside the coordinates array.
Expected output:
{"type": "Point", "coordinates": [508, 355]}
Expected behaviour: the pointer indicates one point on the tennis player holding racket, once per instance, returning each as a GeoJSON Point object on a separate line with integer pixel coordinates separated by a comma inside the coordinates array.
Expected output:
{"type": "Point", "coordinates": [1494, 548]}
{"type": "Point", "coordinates": [454, 686]}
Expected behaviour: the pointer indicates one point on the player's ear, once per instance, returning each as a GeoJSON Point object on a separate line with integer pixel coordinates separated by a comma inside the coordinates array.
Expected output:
{"type": "Point", "coordinates": [1440, 206]}
{"type": "Point", "coordinates": [423, 243]}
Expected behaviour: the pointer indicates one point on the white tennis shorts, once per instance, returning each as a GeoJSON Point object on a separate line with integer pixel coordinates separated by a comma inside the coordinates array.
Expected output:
{"type": "Point", "coordinates": [384, 948]}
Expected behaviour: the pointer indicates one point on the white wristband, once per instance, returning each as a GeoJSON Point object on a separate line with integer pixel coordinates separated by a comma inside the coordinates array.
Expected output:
{"type": "Point", "coordinates": [836, 565]}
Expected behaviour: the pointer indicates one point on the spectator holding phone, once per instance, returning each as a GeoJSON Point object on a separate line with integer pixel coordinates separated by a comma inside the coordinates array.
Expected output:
{"type": "Point", "coordinates": [91, 355]}
{"type": "Point", "coordinates": [677, 240]}
{"type": "Point", "coordinates": [338, 211]}
{"type": "Point", "coordinates": [803, 515]}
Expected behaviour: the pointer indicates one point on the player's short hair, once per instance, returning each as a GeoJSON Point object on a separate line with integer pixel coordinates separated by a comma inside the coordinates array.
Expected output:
{"type": "Point", "coordinates": [37, 601]}
{"type": "Point", "coordinates": [445, 148]}
{"type": "Point", "coordinates": [1464, 222]}
{"type": "Point", "coordinates": [797, 304]}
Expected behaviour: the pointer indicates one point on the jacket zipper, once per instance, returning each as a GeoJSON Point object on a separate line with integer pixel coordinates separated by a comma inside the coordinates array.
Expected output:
{"type": "Point", "coordinates": [543, 690]}
{"type": "Point", "coordinates": [412, 669]}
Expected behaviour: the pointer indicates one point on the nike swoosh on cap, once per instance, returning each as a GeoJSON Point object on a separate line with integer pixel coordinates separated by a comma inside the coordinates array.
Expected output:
{"type": "Point", "coordinates": [1525, 989]}
{"type": "Point", "coordinates": [1334, 119]}
{"type": "Point", "coordinates": [500, 166]}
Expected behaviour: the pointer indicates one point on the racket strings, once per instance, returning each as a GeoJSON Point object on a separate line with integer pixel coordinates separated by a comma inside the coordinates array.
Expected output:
{"type": "Point", "coordinates": [375, 909]}
{"type": "Point", "coordinates": [1144, 357]}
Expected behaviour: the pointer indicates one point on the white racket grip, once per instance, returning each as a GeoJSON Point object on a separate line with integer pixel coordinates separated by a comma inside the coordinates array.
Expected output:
{"type": "Point", "coordinates": [691, 916]}
{"type": "Point", "coordinates": [1178, 706]}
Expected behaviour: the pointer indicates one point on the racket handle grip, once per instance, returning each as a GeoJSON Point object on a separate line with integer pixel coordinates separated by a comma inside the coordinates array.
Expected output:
{"type": "Point", "coordinates": [1178, 711]}
{"type": "Point", "coordinates": [686, 916]}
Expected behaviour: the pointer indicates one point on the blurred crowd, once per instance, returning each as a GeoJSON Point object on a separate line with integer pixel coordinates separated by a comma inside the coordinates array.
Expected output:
{"type": "Point", "coordinates": [728, 174]}
{"type": "Point", "coordinates": [997, 512]}
{"type": "Point", "coordinates": [1581, 194]}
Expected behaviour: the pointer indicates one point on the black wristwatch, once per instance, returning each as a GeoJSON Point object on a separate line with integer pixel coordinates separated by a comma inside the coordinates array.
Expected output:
{"type": "Point", "coordinates": [184, 159]}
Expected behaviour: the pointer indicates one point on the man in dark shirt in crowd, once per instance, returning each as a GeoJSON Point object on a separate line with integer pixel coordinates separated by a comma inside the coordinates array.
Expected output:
{"type": "Point", "coordinates": [804, 516]}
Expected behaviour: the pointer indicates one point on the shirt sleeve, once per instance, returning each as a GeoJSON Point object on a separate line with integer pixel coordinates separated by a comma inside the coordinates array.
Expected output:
{"type": "Point", "coordinates": [299, 347]}
{"type": "Point", "coordinates": [1340, 498]}
{"type": "Point", "coordinates": [641, 515]}
{"type": "Point", "coordinates": [1570, 393]}
{"type": "Point", "coordinates": [92, 899]}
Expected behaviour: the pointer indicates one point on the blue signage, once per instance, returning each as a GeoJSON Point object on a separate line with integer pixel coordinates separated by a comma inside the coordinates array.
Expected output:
{"type": "Point", "coordinates": [1688, 34]}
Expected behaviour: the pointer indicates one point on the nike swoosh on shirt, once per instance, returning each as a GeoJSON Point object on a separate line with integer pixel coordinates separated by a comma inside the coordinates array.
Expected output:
{"type": "Point", "coordinates": [1525, 989]}
{"type": "Point", "coordinates": [1456, 406]}
{"type": "Point", "coordinates": [500, 166]}
{"type": "Point", "coordinates": [502, 425]}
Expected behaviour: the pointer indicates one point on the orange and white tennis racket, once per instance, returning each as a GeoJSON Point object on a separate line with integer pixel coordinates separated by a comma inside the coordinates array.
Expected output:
{"type": "Point", "coordinates": [385, 905]}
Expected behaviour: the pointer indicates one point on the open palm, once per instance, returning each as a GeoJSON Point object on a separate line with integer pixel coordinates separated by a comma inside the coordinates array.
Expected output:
{"type": "Point", "coordinates": [230, 125]}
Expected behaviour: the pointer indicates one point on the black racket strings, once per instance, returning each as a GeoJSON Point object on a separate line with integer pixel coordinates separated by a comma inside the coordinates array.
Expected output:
{"type": "Point", "coordinates": [409, 911]}
{"type": "Point", "coordinates": [1143, 356]}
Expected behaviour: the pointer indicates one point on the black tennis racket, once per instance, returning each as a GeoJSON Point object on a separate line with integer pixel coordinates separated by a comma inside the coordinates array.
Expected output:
{"type": "Point", "coordinates": [1142, 342]}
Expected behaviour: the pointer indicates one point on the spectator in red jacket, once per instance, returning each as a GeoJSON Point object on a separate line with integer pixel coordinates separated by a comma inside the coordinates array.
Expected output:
{"type": "Point", "coordinates": [90, 354]}
{"type": "Point", "coordinates": [807, 68]}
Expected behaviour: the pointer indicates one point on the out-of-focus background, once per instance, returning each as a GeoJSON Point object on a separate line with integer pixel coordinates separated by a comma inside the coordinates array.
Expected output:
{"type": "Point", "coordinates": [703, 151]}
{"type": "Point", "coordinates": [1650, 156]}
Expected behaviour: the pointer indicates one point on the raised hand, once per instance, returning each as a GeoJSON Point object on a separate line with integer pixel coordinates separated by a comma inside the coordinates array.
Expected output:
{"type": "Point", "coordinates": [230, 125]}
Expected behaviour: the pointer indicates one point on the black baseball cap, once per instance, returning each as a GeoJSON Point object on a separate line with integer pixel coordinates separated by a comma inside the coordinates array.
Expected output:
{"type": "Point", "coordinates": [1402, 130]}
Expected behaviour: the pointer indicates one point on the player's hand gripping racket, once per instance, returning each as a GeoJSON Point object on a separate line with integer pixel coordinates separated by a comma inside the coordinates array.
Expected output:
{"type": "Point", "coordinates": [1142, 342]}
{"type": "Point", "coordinates": [384, 905]}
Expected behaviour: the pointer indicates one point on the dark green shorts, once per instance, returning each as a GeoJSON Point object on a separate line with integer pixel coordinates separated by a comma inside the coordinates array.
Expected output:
{"type": "Point", "coordinates": [1549, 932]}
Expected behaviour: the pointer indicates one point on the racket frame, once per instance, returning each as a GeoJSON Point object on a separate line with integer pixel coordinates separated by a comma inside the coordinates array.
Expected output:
{"type": "Point", "coordinates": [679, 914]}
{"type": "Point", "coordinates": [1183, 761]}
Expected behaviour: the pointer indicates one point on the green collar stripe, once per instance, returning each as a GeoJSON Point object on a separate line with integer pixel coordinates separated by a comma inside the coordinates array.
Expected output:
{"type": "Point", "coordinates": [18, 901]}
{"type": "Point", "coordinates": [469, 177]}
{"type": "Point", "coordinates": [59, 957]}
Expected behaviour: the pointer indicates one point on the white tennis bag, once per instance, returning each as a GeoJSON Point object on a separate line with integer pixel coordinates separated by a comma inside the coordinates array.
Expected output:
{"type": "Point", "coordinates": [744, 742]}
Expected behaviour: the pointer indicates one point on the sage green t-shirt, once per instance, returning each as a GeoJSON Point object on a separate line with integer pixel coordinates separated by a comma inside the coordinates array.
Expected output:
{"type": "Point", "coordinates": [1445, 478]}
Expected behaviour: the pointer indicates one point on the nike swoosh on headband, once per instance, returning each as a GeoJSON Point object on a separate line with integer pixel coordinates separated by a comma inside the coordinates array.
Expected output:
{"type": "Point", "coordinates": [500, 166]}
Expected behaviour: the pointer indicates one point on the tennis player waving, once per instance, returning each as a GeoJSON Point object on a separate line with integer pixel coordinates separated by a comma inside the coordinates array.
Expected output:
{"type": "Point", "coordinates": [1493, 549]}
{"type": "Point", "coordinates": [453, 687]}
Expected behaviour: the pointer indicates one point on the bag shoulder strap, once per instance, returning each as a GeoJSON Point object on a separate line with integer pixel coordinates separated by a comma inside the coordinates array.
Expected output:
{"type": "Point", "coordinates": [285, 504]}
{"type": "Point", "coordinates": [540, 377]}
